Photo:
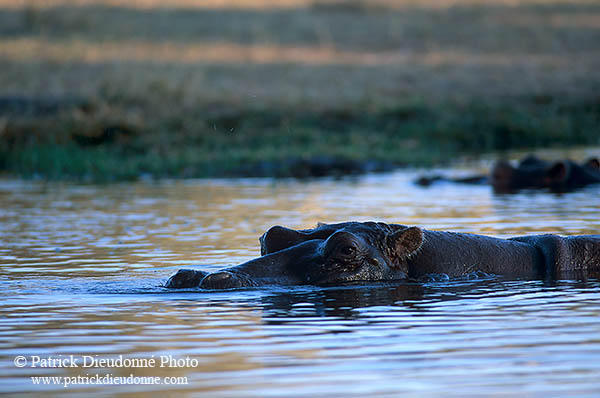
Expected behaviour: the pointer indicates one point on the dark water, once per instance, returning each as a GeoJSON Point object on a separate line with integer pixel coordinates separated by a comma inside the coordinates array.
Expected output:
{"type": "Point", "coordinates": [81, 268]}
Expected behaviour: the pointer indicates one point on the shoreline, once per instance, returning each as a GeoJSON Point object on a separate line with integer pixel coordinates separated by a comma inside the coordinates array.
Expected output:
{"type": "Point", "coordinates": [73, 139]}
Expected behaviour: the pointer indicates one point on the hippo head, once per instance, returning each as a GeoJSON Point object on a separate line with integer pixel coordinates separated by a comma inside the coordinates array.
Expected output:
{"type": "Point", "coordinates": [330, 254]}
{"type": "Point", "coordinates": [533, 172]}
{"type": "Point", "coordinates": [530, 173]}
{"type": "Point", "coordinates": [348, 252]}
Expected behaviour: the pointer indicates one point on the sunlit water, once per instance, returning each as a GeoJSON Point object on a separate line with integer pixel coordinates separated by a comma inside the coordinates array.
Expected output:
{"type": "Point", "coordinates": [81, 268]}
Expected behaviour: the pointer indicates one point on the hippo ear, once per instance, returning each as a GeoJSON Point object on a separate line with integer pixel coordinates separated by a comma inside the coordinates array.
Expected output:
{"type": "Point", "coordinates": [502, 174]}
{"type": "Point", "coordinates": [530, 161]}
{"type": "Point", "coordinates": [405, 242]}
{"type": "Point", "coordinates": [593, 163]}
{"type": "Point", "coordinates": [558, 172]}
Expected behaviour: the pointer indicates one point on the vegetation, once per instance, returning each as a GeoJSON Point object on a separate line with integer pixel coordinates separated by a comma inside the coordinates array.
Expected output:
{"type": "Point", "coordinates": [102, 90]}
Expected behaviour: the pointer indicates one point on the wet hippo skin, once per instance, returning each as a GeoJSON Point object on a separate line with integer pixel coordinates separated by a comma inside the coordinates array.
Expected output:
{"type": "Point", "coordinates": [351, 252]}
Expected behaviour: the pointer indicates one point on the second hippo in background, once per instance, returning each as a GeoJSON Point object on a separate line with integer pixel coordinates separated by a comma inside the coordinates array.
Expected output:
{"type": "Point", "coordinates": [531, 173]}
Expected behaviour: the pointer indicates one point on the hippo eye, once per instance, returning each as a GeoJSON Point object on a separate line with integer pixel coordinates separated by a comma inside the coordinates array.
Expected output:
{"type": "Point", "coordinates": [342, 246]}
{"type": "Point", "coordinates": [375, 262]}
{"type": "Point", "coordinates": [347, 250]}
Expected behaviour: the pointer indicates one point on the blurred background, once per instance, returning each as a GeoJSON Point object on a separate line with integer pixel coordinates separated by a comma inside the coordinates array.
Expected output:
{"type": "Point", "coordinates": [105, 90]}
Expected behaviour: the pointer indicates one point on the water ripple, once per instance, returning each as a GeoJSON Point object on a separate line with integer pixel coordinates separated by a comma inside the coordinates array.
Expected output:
{"type": "Point", "coordinates": [81, 269]}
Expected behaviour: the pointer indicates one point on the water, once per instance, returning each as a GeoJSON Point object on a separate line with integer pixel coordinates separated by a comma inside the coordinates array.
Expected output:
{"type": "Point", "coordinates": [81, 268]}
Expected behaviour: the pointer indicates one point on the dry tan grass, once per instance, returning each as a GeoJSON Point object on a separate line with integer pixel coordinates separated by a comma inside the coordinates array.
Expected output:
{"type": "Point", "coordinates": [209, 87]}
{"type": "Point", "coordinates": [77, 51]}
{"type": "Point", "coordinates": [269, 4]}
{"type": "Point", "coordinates": [302, 53]}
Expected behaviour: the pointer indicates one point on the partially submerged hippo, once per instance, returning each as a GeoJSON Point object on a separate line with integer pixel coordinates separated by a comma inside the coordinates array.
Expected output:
{"type": "Point", "coordinates": [333, 254]}
{"type": "Point", "coordinates": [531, 173]}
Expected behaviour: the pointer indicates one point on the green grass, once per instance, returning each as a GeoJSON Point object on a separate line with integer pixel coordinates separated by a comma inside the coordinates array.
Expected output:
{"type": "Point", "coordinates": [194, 91]}
{"type": "Point", "coordinates": [271, 143]}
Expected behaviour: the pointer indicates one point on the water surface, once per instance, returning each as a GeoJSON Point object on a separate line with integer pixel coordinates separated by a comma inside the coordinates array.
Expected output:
{"type": "Point", "coordinates": [81, 268]}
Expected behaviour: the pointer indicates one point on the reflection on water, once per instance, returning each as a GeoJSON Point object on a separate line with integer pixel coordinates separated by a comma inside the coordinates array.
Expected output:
{"type": "Point", "coordinates": [81, 268]}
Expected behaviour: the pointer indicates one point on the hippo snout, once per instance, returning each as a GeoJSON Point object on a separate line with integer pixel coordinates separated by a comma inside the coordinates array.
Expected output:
{"type": "Point", "coordinates": [225, 280]}
{"type": "Point", "coordinates": [185, 278]}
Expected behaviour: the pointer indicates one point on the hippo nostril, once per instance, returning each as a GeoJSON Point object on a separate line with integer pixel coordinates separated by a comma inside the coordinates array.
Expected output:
{"type": "Point", "coordinates": [219, 276]}
{"type": "Point", "coordinates": [219, 280]}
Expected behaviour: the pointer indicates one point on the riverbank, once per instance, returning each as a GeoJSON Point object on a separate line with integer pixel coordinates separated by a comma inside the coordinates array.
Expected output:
{"type": "Point", "coordinates": [105, 90]}
{"type": "Point", "coordinates": [74, 142]}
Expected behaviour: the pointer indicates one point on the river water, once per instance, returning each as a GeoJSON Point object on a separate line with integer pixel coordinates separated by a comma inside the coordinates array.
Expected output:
{"type": "Point", "coordinates": [81, 268]}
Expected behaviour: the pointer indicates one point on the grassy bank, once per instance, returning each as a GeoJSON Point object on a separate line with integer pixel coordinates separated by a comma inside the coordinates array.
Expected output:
{"type": "Point", "coordinates": [281, 143]}
{"type": "Point", "coordinates": [106, 90]}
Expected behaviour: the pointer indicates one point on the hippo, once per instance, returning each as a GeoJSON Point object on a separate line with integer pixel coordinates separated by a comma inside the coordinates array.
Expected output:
{"type": "Point", "coordinates": [358, 252]}
{"type": "Point", "coordinates": [531, 173]}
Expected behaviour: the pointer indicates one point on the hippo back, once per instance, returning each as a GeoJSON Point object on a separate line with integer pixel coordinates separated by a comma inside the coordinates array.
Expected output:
{"type": "Point", "coordinates": [565, 255]}
{"type": "Point", "coordinates": [457, 254]}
